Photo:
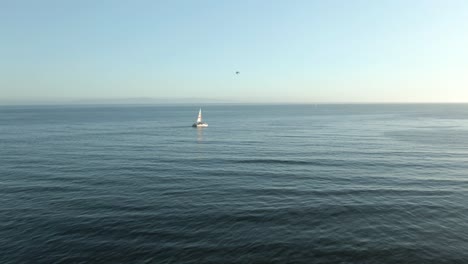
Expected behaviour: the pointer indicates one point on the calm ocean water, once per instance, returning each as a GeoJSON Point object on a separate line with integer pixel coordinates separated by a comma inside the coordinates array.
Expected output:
{"type": "Point", "coordinates": [261, 184]}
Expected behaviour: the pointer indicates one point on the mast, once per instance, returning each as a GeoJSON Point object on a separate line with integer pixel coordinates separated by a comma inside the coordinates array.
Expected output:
{"type": "Point", "coordinates": [199, 119]}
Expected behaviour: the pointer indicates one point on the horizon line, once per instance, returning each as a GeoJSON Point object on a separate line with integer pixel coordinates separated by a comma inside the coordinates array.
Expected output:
{"type": "Point", "coordinates": [90, 103]}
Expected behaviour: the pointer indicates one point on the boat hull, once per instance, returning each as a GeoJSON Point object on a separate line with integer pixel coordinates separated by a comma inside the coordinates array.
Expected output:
{"type": "Point", "coordinates": [200, 125]}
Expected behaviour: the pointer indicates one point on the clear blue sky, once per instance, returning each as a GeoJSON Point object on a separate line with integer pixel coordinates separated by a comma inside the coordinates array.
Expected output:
{"type": "Point", "coordinates": [286, 51]}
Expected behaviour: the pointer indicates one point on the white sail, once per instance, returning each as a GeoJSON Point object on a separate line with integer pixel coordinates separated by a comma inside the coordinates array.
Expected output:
{"type": "Point", "coordinates": [199, 122]}
{"type": "Point", "coordinates": [199, 119]}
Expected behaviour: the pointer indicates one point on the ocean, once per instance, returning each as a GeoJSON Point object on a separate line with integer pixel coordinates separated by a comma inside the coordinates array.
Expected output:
{"type": "Point", "coordinates": [326, 183]}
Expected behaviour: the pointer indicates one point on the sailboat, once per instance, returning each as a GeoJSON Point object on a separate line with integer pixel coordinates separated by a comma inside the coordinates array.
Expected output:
{"type": "Point", "coordinates": [199, 122]}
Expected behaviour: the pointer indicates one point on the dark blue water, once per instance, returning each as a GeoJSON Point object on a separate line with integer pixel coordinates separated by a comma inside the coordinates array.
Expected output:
{"type": "Point", "coordinates": [261, 184]}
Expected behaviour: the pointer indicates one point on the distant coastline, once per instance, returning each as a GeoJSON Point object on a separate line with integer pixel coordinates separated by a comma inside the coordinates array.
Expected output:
{"type": "Point", "coordinates": [190, 101]}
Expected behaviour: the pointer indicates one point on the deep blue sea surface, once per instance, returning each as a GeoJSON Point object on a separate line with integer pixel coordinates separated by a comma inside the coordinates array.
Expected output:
{"type": "Point", "coordinates": [262, 184]}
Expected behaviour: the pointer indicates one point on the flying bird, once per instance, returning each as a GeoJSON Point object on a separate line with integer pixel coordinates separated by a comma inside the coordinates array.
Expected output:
{"type": "Point", "coordinates": [237, 72]}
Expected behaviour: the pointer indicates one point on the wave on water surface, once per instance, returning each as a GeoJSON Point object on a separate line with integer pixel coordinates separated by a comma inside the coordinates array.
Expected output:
{"type": "Point", "coordinates": [336, 184]}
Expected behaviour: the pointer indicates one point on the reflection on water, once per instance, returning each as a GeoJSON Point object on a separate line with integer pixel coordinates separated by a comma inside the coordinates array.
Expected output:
{"type": "Point", "coordinates": [199, 134]}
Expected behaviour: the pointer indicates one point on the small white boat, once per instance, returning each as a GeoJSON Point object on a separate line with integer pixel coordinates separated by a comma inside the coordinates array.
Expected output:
{"type": "Point", "coordinates": [199, 122]}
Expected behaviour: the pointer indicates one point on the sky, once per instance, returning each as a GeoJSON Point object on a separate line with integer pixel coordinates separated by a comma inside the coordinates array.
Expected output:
{"type": "Point", "coordinates": [295, 51]}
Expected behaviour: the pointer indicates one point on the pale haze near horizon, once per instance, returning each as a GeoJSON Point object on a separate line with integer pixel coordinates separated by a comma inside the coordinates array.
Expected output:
{"type": "Point", "coordinates": [286, 51]}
